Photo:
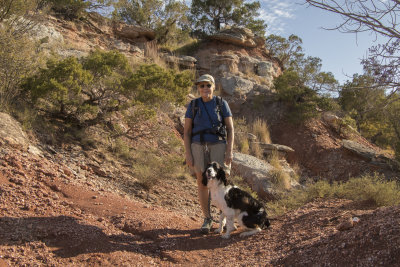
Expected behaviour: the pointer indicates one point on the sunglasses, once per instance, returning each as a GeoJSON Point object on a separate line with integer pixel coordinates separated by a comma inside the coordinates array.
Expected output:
{"type": "Point", "coordinates": [204, 85]}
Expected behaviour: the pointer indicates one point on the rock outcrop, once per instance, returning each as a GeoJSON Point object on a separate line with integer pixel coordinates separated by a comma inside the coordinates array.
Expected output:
{"type": "Point", "coordinates": [239, 36]}
{"type": "Point", "coordinates": [238, 61]}
{"type": "Point", "coordinates": [11, 133]}
{"type": "Point", "coordinates": [262, 176]}
{"type": "Point", "coordinates": [79, 37]}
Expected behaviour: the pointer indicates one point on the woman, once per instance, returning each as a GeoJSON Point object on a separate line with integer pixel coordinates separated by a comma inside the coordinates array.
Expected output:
{"type": "Point", "coordinates": [204, 140]}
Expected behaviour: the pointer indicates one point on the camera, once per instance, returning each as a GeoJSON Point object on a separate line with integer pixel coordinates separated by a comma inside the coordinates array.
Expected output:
{"type": "Point", "coordinates": [219, 130]}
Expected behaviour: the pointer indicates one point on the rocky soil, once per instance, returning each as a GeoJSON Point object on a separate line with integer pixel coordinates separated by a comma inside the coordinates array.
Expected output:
{"type": "Point", "coordinates": [57, 209]}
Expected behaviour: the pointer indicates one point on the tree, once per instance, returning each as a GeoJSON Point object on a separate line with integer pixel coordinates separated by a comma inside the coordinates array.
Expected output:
{"type": "Point", "coordinates": [167, 18]}
{"type": "Point", "coordinates": [379, 17]}
{"type": "Point", "coordinates": [302, 102]}
{"type": "Point", "coordinates": [138, 12]}
{"type": "Point", "coordinates": [288, 51]}
{"type": "Point", "coordinates": [360, 99]}
{"type": "Point", "coordinates": [208, 16]}
{"type": "Point", "coordinates": [73, 9]}
{"type": "Point", "coordinates": [392, 114]}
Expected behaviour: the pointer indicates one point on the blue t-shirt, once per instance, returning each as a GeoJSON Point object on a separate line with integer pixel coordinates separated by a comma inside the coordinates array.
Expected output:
{"type": "Point", "coordinates": [202, 120]}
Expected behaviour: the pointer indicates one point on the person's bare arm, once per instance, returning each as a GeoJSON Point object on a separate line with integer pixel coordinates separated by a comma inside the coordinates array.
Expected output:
{"type": "Point", "coordinates": [229, 140]}
{"type": "Point", "coordinates": [187, 138]}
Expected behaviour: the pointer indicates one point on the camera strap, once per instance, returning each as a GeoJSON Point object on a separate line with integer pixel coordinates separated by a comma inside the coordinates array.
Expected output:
{"type": "Point", "coordinates": [212, 123]}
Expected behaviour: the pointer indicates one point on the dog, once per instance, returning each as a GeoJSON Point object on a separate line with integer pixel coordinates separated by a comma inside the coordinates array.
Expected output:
{"type": "Point", "coordinates": [234, 203]}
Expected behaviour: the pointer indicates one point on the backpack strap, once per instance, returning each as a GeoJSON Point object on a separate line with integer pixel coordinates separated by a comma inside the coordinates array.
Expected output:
{"type": "Point", "coordinates": [195, 108]}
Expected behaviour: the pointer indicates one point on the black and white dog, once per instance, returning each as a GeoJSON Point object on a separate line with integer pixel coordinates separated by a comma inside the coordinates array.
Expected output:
{"type": "Point", "coordinates": [234, 203]}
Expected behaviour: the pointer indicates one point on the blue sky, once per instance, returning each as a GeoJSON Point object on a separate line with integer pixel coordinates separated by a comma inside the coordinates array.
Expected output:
{"type": "Point", "coordinates": [340, 52]}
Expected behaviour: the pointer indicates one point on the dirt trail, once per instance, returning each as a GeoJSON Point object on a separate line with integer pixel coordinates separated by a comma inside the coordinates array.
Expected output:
{"type": "Point", "coordinates": [50, 218]}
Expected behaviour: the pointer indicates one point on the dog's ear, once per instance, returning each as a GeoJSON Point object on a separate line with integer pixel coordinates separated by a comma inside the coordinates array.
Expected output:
{"type": "Point", "coordinates": [204, 180]}
{"type": "Point", "coordinates": [221, 175]}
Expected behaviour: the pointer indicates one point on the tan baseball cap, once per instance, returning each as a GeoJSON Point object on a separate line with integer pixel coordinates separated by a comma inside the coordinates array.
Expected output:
{"type": "Point", "coordinates": [205, 78]}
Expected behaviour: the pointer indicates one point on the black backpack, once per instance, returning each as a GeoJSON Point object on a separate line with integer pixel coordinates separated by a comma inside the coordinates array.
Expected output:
{"type": "Point", "coordinates": [219, 130]}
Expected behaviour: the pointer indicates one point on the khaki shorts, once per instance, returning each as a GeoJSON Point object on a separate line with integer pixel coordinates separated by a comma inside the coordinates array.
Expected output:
{"type": "Point", "coordinates": [217, 153]}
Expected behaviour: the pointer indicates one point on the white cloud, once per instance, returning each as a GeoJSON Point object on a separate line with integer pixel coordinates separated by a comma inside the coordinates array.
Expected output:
{"type": "Point", "coordinates": [275, 12]}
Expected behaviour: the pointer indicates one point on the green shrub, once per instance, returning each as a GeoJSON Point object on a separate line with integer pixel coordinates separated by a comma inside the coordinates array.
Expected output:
{"type": "Point", "coordinates": [121, 149]}
{"type": "Point", "coordinates": [155, 85]}
{"type": "Point", "coordinates": [69, 9]}
{"type": "Point", "coordinates": [372, 189]}
{"type": "Point", "coordinates": [88, 91]}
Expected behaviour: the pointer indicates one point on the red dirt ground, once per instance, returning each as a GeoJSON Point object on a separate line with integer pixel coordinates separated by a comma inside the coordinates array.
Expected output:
{"type": "Point", "coordinates": [51, 216]}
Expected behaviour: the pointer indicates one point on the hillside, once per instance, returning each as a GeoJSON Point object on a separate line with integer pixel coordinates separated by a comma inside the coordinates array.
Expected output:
{"type": "Point", "coordinates": [56, 210]}
{"type": "Point", "coordinates": [65, 203]}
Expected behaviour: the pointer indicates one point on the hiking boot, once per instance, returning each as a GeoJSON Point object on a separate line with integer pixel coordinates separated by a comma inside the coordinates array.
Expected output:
{"type": "Point", "coordinates": [205, 228]}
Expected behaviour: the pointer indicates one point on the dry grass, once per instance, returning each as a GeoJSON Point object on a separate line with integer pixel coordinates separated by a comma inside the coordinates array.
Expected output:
{"type": "Point", "coordinates": [260, 128]}
{"type": "Point", "coordinates": [255, 150]}
{"type": "Point", "coordinates": [243, 145]}
{"type": "Point", "coordinates": [281, 179]}
{"type": "Point", "coordinates": [372, 189]}
{"type": "Point", "coordinates": [241, 139]}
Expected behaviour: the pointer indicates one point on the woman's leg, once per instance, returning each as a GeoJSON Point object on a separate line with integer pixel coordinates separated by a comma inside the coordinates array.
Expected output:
{"type": "Point", "coordinates": [203, 194]}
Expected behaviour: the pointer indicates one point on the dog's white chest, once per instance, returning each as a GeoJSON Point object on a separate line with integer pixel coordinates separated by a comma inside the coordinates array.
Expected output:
{"type": "Point", "coordinates": [218, 196]}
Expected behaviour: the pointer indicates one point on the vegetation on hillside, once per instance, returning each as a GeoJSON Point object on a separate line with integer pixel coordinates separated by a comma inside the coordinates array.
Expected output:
{"type": "Point", "coordinates": [210, 16]}
{"type": "Point", "coordinates": [169, 19]}
{"type": "Point", "coordinates": [88, 91]}
{"type": "Point", "coordinates": [377, 116]}
{"type": "Point", "coordinates": [372, 190]}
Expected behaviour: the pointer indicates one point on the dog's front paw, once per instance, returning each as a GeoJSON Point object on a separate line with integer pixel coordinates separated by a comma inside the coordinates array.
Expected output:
{"type": "Point", "coordinates": [226, 236]}
{"type": "Point", "coordinates": [218, 230]}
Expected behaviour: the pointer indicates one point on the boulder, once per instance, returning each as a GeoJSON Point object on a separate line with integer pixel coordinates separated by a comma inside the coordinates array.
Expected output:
{"type": "Point", "coordinates": [282, 150]}
{"type": "Point", "coordinates": [187, 61]}
{"type": "Point", "coordinates": [238, 36]}
{"type": "Point", "coordinates": [11, 132]}
{"type": "Point", "coordinates": [266, 69]}
{"type": "Point", "coordinates": [248, 65]}
{"type": "Point", "coordinates": [330, 119]}
{"type": "Point", "coordinates": [236, 85]}
{"type": "Point", "coordinates": [133, 32]}
{"type": "Point", "coordinates": [127, 47]}
{"type": "Point", "coordinates": [221, 64]}
{"type": "Point", "coordinates": [260, 175]}
{"type": "Point", "coordinates": [184, 61]}
{"type": "Point", "coordinates": [359, 149]}
{"type": "Point", "coordinates": [265, 89]}
{"type": "Point", "coordinates": [46, 34]}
